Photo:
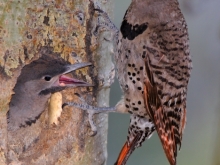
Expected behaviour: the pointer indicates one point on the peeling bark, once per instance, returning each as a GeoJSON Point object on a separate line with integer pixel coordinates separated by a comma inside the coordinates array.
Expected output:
{"type": "Point", "coordinates": [66, 28]}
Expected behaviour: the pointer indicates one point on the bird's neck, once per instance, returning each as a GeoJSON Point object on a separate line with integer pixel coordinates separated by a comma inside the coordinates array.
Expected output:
{"type": "Point", "coordinates": [25, 108]}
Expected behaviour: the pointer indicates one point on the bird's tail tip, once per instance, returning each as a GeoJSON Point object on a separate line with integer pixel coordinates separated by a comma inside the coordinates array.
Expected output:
{"type": "Point", "coordinates": [124, 154]}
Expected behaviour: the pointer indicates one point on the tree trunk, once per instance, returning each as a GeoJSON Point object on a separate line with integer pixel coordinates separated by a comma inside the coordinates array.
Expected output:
{"type": "Point", "coordinates": [65, 27]}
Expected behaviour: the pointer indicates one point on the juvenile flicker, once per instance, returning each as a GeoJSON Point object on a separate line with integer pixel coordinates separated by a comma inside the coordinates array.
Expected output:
{"type": "Point", "coordinates": [153, 65]}
{"type": "Point", "coordinates": [35, 84]}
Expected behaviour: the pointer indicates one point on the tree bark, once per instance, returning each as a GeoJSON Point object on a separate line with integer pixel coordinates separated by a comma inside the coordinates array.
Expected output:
{"type": "Point", "coordinates": [65, 27]}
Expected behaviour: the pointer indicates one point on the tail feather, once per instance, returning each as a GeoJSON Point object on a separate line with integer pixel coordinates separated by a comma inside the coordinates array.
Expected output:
{"type": "Point", "coordinates": [123, 156]}
{"type": "Point", "coordinates": [166, 134]}
{"type": "Point", "coordinates": [126, 151]}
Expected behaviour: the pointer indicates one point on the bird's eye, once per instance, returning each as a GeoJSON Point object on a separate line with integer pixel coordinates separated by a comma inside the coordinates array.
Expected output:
{"type": "Point", "coordinates": [47, 78]}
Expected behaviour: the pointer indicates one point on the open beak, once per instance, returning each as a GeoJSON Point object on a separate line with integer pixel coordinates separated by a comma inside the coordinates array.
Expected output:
{"type": "Point", "coordinates": [66, 81]}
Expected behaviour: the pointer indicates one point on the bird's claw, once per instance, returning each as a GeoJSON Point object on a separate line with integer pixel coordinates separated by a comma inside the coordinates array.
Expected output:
{"type": "Point", "coordinates": [104, 23]}
{"type": "Point", "coordinates": [92, 124]}
{"type": "Point", "coordinates": [90, 112]}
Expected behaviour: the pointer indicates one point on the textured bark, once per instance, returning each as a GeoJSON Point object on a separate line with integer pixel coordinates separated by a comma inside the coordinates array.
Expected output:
{"type": "Point", "coordinates": [65, 27]}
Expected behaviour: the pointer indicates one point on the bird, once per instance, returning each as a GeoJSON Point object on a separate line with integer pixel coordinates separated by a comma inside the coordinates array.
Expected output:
{"type": "Point", "coordinates": [153, 65]}
{"type": "Point", "coordinates": [37, 81]}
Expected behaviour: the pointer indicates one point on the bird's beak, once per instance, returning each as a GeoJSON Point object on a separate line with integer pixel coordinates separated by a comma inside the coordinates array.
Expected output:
{"type": "Point", "coordinates": [66, 81]}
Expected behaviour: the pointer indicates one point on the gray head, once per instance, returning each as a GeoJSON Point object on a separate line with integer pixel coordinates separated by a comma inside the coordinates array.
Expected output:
{"type": "Point", "coordinates": [35, 84]}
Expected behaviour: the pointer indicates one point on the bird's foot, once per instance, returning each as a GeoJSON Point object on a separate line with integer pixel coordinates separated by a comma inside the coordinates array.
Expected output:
{"type": "Point", "coordinates": [104, 23]}
{"type": "Point", "coordinates": [91, 110]}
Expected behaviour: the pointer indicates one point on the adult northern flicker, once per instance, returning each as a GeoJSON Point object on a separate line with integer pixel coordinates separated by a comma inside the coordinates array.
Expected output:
{"type": "Point", "coordinates": [153, 65]}
{"type": "Point", "coordinates": [35, 84]}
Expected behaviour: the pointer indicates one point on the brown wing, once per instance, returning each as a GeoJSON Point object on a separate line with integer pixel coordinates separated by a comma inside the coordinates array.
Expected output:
{"type": "Point", "coordinates": [168, 123]}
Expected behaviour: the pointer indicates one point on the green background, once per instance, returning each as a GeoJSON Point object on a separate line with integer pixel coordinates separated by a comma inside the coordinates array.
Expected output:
{"type": "Point", "coordinates": [201, 139]}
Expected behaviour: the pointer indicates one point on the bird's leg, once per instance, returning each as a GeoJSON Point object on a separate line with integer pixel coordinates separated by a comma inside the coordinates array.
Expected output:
{"type": "Point", "coordinates": [85, 106]}
{"type": "Point", "coordinates": [91, 110]}
{"type": "Point", "coordinates": [103, 23]}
